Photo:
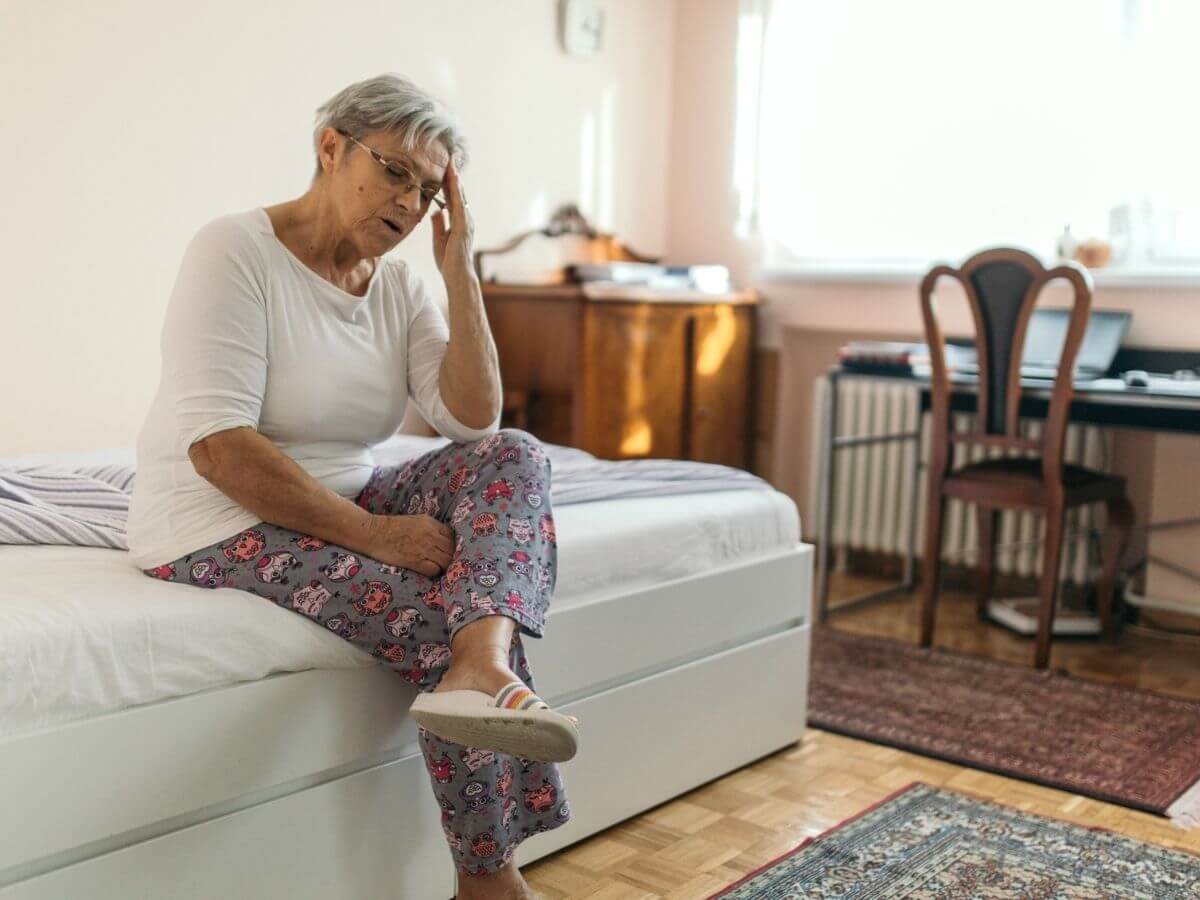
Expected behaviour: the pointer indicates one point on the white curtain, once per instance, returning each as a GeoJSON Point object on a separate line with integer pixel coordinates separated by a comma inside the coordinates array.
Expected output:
{"type": "Point", "coordinates": [874, 131]}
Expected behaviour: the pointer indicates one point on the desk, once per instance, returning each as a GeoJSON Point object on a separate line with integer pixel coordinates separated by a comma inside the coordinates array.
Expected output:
{"type": "Point", "coordinates": [1105, 402]}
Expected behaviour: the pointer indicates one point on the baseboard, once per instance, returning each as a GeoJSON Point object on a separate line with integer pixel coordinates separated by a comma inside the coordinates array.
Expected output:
{"type": "Point", "coordinates": [1166, 604]}
{"type": "Point", "coordinates": [956, 576]}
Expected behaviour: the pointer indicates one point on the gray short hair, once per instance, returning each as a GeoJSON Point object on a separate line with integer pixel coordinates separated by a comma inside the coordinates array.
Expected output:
{"type": "Point", "coordinates": [391, 102]}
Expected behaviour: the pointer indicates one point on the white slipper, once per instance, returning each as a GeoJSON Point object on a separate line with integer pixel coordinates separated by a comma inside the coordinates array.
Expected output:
{"type": "Point", "coordinates": [514, 721]}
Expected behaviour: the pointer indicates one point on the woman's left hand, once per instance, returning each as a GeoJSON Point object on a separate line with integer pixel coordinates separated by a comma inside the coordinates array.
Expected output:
{"type": "Point", "coordinates": [452, 243]}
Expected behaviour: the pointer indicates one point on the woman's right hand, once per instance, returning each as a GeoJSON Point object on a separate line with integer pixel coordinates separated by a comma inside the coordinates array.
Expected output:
{"type": "Point", "coordinates": [416, 542]}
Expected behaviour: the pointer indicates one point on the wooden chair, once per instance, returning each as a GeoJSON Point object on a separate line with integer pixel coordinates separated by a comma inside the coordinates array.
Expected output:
{"type": "Point", "coordinates": [1002, 286]}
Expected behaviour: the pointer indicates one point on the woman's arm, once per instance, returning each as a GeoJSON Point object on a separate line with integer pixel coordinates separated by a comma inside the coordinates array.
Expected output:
{"type": "Point", "coordinates": [250, 469]}
{"type": "Point", "coordinates": [469, 380]}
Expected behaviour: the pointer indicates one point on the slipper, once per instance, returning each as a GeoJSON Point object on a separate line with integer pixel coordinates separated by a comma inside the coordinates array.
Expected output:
{"type": "Point", "coordinates": [514, 721]}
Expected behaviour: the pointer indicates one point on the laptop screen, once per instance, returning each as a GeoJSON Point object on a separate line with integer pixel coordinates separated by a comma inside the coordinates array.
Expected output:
{"type": "Point", "coordinates": [1047, 331]}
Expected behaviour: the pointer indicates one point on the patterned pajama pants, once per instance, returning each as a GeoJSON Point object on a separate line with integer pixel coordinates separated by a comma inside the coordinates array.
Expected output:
{"type": "Point", "coordinates": [494, 494]}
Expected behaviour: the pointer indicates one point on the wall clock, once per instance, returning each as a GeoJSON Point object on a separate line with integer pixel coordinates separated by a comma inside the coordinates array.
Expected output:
{"type": "Point", "coordinates": [582, 26]}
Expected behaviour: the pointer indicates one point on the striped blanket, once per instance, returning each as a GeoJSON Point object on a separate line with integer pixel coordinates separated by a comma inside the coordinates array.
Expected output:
{"type": "Point", "coordinates": [84, 507]}
{"type": "Point", "coordinates": [87, 506]}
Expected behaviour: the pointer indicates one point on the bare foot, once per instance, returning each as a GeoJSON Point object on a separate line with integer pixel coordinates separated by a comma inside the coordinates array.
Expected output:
{"type": "Point", "coordinates": [471, 675]}
{"type": "Point", "coordinates": [506, 884]}
{"type": "Point", "coordinates": [479, 655]}
{"type": "Point", "coordinates": [479, 658]}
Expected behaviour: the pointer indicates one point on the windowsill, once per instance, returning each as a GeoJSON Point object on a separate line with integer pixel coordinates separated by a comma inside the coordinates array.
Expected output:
{"type": "Point", "coordinates": [911, 273]}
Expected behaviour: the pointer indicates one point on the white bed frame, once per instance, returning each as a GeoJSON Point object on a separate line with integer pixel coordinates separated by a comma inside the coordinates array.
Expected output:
{"type": "Point", "coordinates": [310, 784]}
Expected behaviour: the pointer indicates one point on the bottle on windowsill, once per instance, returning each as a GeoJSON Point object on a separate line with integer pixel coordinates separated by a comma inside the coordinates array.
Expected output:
{"type": "Point", "coordinates": [1067, 245]}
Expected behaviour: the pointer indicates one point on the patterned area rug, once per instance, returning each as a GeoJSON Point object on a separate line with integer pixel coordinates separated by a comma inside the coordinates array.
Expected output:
{"type": "Point", "coordinates": [1125, 746]}
{"type": "Point", "coordinates": [925, 843]}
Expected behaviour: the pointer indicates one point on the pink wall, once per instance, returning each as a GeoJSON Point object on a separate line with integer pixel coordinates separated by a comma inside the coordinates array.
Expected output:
{"type": "Point", "coordinates": [1162, 317]}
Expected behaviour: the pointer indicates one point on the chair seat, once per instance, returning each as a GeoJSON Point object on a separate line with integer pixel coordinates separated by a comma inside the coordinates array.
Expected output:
{"type": "Point", "coordinates": [1018, 482]}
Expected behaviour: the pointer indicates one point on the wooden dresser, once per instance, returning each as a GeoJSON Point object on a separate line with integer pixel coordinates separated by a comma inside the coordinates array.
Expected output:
{"type": "Point", "coordinates": [628, 378]}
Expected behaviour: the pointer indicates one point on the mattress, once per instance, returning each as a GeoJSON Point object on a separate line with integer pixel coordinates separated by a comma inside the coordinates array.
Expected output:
{"type": "Point", "coordinates": [83, 632]}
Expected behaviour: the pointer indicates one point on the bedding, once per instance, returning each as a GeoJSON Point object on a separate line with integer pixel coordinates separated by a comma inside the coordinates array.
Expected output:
{"type": "Point", "coordinates": [51, 500]}
{"type": "Point", "coordinates": [83, 632]}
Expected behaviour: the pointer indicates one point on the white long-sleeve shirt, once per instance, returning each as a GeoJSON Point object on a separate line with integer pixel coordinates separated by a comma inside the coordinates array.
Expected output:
{"type": "Point", "coordinates": [254, 337]}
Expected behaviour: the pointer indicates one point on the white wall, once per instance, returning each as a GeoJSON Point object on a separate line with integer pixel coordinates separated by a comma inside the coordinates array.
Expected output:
{"type": "Point", "coordinates": [129, 124]}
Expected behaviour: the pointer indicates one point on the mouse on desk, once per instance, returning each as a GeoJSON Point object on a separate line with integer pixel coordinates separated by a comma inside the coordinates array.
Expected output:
{"type": "Point", "coordinates": [1136, 378]}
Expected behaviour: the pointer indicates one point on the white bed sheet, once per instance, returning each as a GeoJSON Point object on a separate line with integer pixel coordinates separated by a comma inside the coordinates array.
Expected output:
{"type": "Point", "coordinates": [82, 632]}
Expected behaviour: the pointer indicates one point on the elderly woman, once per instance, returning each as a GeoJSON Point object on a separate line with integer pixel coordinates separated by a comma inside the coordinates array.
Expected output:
{"type": "Point", "coordinates": [290, 347]}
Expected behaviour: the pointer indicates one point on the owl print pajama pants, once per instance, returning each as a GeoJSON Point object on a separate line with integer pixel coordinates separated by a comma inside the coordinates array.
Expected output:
{"type": "Point", "coordinates": [494, 494]}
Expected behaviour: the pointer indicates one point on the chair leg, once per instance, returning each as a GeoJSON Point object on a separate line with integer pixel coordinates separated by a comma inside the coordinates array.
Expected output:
{"type": "Point", "coordinates": [1117, 532]}
{"type": "Point", "coordinates": [931, 561]}
{"type": "Point", "coordinates": [1051, 558]}
{"type": "Point", "coordinates": [987, 519]}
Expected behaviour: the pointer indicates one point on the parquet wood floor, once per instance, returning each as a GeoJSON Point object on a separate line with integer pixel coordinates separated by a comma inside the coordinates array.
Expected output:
{"type": "Point", "coordinates": [714, 835]}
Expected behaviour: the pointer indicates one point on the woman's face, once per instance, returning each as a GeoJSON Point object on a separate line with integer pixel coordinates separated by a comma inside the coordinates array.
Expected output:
{"type": "Point", "coordinates": [376, 209]}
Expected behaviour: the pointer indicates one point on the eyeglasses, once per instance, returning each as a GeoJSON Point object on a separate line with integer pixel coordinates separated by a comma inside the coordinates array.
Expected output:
{"type": "Point", "coordinates": [401, 175]}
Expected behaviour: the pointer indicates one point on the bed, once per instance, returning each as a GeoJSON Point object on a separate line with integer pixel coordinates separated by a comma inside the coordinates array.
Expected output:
{"type": "Point", "coordinates": [159, 741]}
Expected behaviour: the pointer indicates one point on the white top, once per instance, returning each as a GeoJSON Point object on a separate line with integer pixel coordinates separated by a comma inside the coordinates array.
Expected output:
{"type": "Point", "coordinates": [254, 337]}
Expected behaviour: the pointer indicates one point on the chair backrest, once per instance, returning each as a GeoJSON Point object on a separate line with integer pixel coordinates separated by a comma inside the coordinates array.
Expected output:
{"type": "Point", "coordinates": [1002, 287]}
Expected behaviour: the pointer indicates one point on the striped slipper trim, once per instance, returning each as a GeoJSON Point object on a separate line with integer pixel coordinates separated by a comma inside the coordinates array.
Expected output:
{"type": "Point", "coordinates": [518, 696]}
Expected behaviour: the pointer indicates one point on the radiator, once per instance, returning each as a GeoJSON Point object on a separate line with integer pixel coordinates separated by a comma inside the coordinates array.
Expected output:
{"type": "Point", "coordinates": [873, 494]}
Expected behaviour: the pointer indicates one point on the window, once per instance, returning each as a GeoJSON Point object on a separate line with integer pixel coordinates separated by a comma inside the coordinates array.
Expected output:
{"type": "Point", "coordinates": [876, 133]}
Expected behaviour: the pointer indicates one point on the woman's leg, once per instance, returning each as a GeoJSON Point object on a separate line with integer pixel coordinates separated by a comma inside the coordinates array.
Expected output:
{"type": "Point", "coordinates": [495, 495]}
{"type": "Point", "coordinates": [490, 802]}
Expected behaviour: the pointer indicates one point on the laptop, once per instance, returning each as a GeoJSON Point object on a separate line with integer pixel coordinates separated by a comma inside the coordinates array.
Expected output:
{"type": "Point", "coordinates": [1046, 334]}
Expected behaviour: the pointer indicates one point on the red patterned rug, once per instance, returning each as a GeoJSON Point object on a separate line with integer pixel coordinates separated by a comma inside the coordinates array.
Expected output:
{"type": "Point", "coordinates": [1125, 746]}
{"type": "Point", "coordinates": [926, 842]}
